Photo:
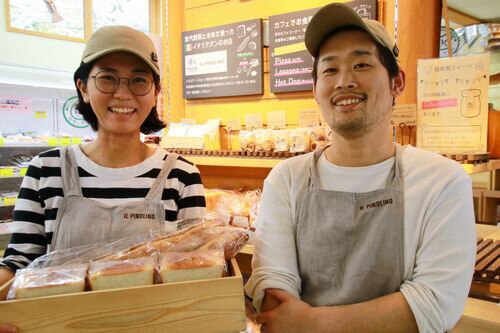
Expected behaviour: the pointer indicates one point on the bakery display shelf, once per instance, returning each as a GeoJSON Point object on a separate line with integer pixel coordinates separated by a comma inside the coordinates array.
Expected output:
{"type": "Point", "coordinates": [491, 165]}
{"type": "Point", "coordinates": [25, 145]}
{"type": "Point", "coordinates": [472, 163]}
{"type": "Point", "coordinates": [6, 205]}
{"type": "Point", "coordinates": [234, 161]}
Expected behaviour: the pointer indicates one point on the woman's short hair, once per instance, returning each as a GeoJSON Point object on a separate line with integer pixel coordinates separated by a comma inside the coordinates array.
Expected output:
{"type": "Point", "coordinates": [150, 125]}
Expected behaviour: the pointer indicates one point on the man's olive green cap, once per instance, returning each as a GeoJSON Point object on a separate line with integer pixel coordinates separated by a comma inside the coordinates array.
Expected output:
{"type": "Point", "coordinates": [337, 15]}
{"type": "Point", "coordinates": [121, 38]}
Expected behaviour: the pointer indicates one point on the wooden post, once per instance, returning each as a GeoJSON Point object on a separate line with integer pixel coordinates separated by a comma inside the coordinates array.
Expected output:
{"type": "Point", "coordinates": [447, 27]}
{"type": "Point", "coordinates": [419, 25]}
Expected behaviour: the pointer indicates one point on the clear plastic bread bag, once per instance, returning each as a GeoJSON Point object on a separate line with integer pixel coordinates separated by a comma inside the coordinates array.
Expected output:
{"type": "Point", "coordinates": [247, 141]}
{"type": "Point", "coordinates": [318, 137]}
{"type": "Point", "coordinates": [300, 141]}
{"type": "Point", "coordinates": [264, 140]}
{"type": "Point", "coordinates": [64, 270]}
{"type": "Point", "coordinates": [281, 140]}
{"type": "Point", "coordinates": [188, 266]}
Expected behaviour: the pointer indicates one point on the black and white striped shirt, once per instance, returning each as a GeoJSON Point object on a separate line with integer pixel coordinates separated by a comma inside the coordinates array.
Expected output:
{"type": "Point", "coordinates": [41, 193]}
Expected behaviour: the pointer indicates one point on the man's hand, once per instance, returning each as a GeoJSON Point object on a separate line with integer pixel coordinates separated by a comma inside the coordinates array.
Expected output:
{"type": "Point", "coordinates": [291, 315]}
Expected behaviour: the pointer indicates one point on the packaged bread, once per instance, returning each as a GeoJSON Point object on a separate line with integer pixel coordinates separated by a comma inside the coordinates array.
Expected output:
{"type": "Point", "coordinates": [247, 141]}
{"type": "Point", "coordinates": [135, 272]}
{"type": "Point", "coordinates": [300, 140]}
{"type": "Point", "coordinates": [318, 137]}
{"type": "Point", "coordinates": [281, 140]}
{"type": "Point", "coordinates": [209, 234]}
{"type": "Point", "coordinates": [264, 140]}
{"type": "Point", "coordinates": [213, 197]}
{"type": "Point", "coordinates": [199, 265]}
{"type": "Point", "coordinates": [49, 281]}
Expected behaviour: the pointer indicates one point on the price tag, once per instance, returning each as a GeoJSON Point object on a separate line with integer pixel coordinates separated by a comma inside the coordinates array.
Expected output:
{"type": "Point", "coordinates": [65, 141]}
{"type": "Point", "coordinates": [233, 125]}
{"type": "Point", "coordinates": [6, 172]}
{"type": "Point", "coordinates": [23, 171]}
{"type": "Point", "coordinates": [76, 141]}
{"type": "Point", "coordinates": [276, 120]}
{"type": "Point", "coordinates": [253, 121]}
{"type": "Point", "coordinates": [40, 114]}
{"type": "Point", "coordinates": [189, 121]}
{"type": "Point", "coordinates": [10, 201]}
{"type": "Point", "coordinates": [53, 142]}
{"type": "Point", "coordinates": [308, 118]}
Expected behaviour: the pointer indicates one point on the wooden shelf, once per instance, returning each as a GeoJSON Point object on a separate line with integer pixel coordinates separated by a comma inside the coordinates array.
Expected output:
{"type": "Point", "coordinates": [482, 167]}
{"type": "Point", "coordinates": [491, 194]}
{"type": "Point", "coordinates": [234, 161]}
{"type": "Point", "coordinates": [272, 162]}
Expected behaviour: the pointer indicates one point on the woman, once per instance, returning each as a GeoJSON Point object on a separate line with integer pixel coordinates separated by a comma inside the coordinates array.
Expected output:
{"type": "Point", "coordinates": [116, 185]}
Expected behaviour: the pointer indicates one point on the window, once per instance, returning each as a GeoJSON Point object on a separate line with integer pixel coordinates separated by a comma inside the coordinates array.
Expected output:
{"type": "Point", "coordinates": [112, 12]}
{"type": "Point", "coordinates": [76, 19]}
{"type": "Point", "coordinates": [61, 19]}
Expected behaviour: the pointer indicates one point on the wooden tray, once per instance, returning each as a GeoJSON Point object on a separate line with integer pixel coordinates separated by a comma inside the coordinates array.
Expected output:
{"type": "Point", "coordinates": [215, 305]}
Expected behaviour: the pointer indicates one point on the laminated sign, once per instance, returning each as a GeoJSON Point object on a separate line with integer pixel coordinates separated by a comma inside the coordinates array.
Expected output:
{"type": "Point", "coordinates": [290, 64]}
{"type": "Point", "coordinates": [452, 103]}
{"type": "Point", "coordinates": [223, 61]}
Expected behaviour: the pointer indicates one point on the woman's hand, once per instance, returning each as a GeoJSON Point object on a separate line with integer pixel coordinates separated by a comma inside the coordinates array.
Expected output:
{"type": "Point", "coordinates": [5, 276]}
{"type": "Point", "coordinates": [6, 328]}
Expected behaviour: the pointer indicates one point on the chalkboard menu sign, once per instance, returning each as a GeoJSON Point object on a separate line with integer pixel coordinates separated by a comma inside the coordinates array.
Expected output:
{"type": "Point", "coordinates": [223, 61]}
{"type": "Point", "coordinates": [290, 64]}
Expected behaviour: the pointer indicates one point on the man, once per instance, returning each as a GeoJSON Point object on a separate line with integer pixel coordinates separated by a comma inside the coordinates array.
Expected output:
{"type": "Point", "coordinates": [364, 236]}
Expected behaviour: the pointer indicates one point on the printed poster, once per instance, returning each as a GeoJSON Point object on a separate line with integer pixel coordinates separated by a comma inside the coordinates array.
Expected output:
{"type": "Point", "coordinates": [452, 103]}
{"type": "Point", "coordinates": [224, 60]}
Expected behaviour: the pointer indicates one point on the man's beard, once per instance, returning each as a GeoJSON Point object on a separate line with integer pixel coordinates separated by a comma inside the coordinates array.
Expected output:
{"type": "Point", "coordinates": [352, 129]}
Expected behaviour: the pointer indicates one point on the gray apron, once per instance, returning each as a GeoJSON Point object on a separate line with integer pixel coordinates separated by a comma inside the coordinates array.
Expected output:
{"type": "Point", "coordinates": [350, 245]}
{"type": "Point", "coordinates": [82, 221]}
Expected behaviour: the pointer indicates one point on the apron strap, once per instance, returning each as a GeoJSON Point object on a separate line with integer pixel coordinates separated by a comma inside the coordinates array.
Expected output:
{"type": "Point", "coordinates": [156, 190]}
{"type": "Point", "coordinates": [313, 179]}
{"type": "Point", "coordinates": [396, 174]}
{"type": "Point", "coordinates": [69, 172]}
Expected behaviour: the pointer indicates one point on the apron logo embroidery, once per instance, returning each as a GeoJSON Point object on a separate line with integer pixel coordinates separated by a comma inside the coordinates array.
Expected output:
{"type": "Point", "coordinates": [377, 204]}
{"type": "Point", "coordinates": [139, 216]}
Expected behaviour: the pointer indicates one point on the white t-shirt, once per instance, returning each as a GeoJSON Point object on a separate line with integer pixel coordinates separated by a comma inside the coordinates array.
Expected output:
{"type": "Point", "coordinates": [439, 230]}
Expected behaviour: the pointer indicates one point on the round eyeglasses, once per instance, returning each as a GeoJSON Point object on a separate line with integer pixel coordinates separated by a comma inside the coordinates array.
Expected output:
{"type": "Point", "coordinates": [108, 83]}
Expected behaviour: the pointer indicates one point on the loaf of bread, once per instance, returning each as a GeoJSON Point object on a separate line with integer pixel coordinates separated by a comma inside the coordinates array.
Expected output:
{"type": "Point", "coordinates": [38, 282]}
{"type": "Point", "coordinates": [200, 265]}
{"type": "Point", "coordinates": [211, 234]}
{"type": "Point", "coordinates": [122, 273]}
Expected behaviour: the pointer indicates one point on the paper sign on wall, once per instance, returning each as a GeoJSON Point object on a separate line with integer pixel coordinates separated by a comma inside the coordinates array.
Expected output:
{"type": "Point", "coordinates": [253, 121]}
{"type": "Point", "coordinates": [308, 118]}
{"type": "Point", "coordinates": [233, 125]}
{"type": "Point", "coordinates": [276, 120]}
{"type": "Point", "coordinates": [404, 114]}
{"type": "Point", "coordinates": [452, 95]}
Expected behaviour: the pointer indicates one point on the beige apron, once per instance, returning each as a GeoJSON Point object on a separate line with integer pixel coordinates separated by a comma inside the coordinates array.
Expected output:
{"type": "Point", "coordinates": [350, 245]}
{"type": "Point", "coordinates": [82, 221]}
